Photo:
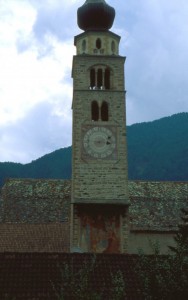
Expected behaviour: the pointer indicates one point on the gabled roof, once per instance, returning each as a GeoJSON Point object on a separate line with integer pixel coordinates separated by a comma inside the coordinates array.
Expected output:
{"type": "Point", "coordinates": [26, 276]}
{"type": "Point", "coordinates": [154, 206]}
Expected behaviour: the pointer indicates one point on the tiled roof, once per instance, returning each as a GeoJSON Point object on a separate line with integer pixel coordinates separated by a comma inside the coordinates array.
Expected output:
{"type": "Point", "coordinates": [154, 206]}
{"type": "Point", "coordinates": [34, 237]}
{"type": "Point", "coordinates": [39, 276]}
{"type": "Point", "coordinates": [157, 206]}
{"type": "Point", "coordinates": [35, 201]}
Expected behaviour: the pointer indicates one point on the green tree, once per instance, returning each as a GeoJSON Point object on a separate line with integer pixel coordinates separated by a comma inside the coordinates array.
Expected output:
{"type": "Point", "coordinates": [166, 277]}
{"type": "Point", "coordinates": [78, 283]}
{"type": "Point", "coordinates": [181, 238]}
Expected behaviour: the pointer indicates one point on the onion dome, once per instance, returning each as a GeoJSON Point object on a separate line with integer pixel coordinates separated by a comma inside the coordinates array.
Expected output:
{"type": "Point", "coordinates": [95, 15]}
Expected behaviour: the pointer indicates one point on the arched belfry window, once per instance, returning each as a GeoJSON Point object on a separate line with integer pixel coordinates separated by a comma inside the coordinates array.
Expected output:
{"type": "Point", "coordinates": [92, 78]}
{"type": "Point", "coordinates": [100, 78]}
{"type": "Point", "coordinates": [107, 79]}
{"type": "Point", "coordinates": [98, 43]}
{"type": "Point", "coordinates": [104, 111]}
{"type": "Point", "coordinates": [94, 111]}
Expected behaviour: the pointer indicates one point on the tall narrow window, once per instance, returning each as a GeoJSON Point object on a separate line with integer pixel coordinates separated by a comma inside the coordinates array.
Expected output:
{"type": "Point", "coordinates": [104, 111]}
{"type": "Point", "coordinates": [113, 47]}
{"type": "Point", "coordinates": [99, 78]}
{"type": "Point", "coordinates": [94, 111]}
{"type": "Point", "coordinates": [92, 78]}
{"type": "Point", "coordinates": [84, 45]}
{"type": "Point", "coordinates": [98, 44]}
{"type": "Point", "coordinates": [107, 79]}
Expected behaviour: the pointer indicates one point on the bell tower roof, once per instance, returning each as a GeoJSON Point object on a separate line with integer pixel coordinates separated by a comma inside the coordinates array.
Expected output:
{"type": "Point", "coordinates": [95, 15]}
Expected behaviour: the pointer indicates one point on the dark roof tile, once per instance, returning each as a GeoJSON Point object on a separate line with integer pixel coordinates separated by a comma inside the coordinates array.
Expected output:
{"type": "Point", "coordinates": [157, 206]}
{"type": "Point", "coordinates": [154, 206]}
{"type": "Point", "coordinates": [34, 237]}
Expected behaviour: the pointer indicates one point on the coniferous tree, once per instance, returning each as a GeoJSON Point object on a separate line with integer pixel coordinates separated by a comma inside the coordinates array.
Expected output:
{"type": "Point", "coordinates": [181, 238]}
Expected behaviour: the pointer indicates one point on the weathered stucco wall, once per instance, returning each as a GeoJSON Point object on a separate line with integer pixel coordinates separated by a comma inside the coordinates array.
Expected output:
{"type": "Point", "coordinates": [144, 241]}
{"type": "Point", "coordinates": [99, 229]}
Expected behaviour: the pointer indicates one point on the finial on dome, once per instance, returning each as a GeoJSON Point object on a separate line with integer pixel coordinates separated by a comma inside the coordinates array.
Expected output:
{"type": "Point", "coordinates": [95, 15]}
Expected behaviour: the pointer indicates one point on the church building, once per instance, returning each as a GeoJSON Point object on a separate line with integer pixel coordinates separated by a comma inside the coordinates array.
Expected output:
{"type": "Point", "coordinates": [99, 210]}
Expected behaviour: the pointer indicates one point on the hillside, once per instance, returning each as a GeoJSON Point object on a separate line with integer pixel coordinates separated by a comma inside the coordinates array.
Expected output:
{"type": "Point", "coordinates": [54, 165]}
{"type": "Point", "coordinates": [157, 150]}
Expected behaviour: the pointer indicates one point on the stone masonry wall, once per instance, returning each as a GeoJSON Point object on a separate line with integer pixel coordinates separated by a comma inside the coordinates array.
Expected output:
{"type": "Point", "coordinates": [96, 180]}
{"type": "Point", "coordinates": [90, 38]}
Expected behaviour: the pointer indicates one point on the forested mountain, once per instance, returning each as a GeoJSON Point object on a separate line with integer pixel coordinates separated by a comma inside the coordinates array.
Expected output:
{"type": "Point", "coordinates": [54, 165]}
{"type": "Point", "coordinates": [157, 150]}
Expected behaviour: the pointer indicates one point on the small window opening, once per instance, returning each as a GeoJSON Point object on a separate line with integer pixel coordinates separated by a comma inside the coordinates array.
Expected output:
{"type": "Point", "coordinates": [113, 47]}
{"type": "Point", "coordinates": [94, 111]}
{"type": "Point", "coordinates": [107, 79]}
{"type": "Point", "coordinates": [104, 111]}
{"type": "Point", "coordinates": [98, 44]}
{"type": "Point", "coordinates": [99, 78]}
{"type": "Point", "coordinates": [92, 78]}
{"type": "Point", "coordinates": [84, 45]}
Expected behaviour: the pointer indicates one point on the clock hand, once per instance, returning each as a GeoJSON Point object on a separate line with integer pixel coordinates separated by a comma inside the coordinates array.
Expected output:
{"type": "Point", "coordinates": [108, 142]}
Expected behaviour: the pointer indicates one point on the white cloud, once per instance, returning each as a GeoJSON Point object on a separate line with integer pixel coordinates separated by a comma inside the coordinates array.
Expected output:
{"type": "Point", "coordinates": [33, 74]}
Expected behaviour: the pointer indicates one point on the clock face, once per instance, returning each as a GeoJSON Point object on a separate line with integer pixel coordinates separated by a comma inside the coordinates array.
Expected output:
{"type": "Point", "coordinates": [99, 142]}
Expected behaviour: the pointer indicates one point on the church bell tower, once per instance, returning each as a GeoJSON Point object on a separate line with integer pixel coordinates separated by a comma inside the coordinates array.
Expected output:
{"type": "Point", "coordinates": [99, 204]}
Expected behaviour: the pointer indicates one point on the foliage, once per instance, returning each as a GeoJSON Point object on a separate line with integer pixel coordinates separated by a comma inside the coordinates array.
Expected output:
{"type": "Point", "coordinates": [181, 238]}
{"type": "Point", "coordinates": [118, 286]}
{"type": "Point", "coordinates": [166, 277]}
{"type": "Point", "coordinates": [78, 284]}
{"type": "Point", "coordinates": [157, 150]}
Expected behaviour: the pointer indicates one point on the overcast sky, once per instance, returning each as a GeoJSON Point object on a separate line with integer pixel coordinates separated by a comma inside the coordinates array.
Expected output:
{"type": "Point", "coordinates": [36, 49]}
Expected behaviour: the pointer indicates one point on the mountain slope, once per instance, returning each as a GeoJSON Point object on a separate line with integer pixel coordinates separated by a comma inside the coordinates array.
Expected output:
{"type": "Point", "coordinates": [157, 150]}
{"type": "Point", "coordinates": [54, 165]}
